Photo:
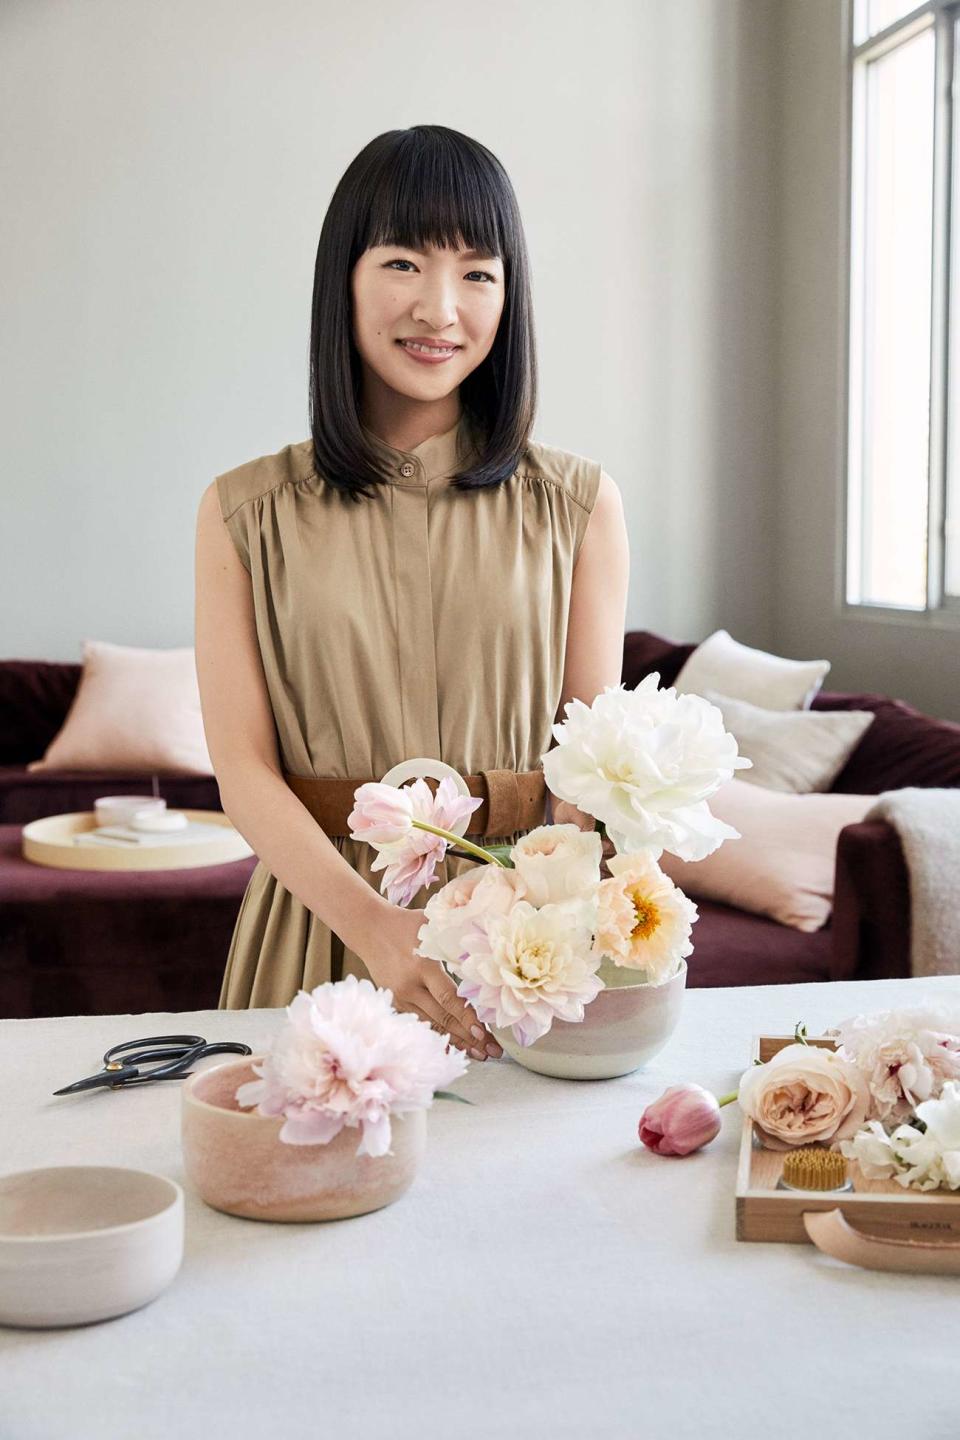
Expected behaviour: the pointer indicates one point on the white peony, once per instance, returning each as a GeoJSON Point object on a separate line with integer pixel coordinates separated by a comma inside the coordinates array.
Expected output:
{"type": "Point", "coordinates": [557, 863]}
{"type": "Point", "coordinates": [450, 913]}
{"type": "Point", "coordinates": [925, 1159]}
{"type": "Point", "coordinates": [529, 967]}
{"type": "Point", "coordinates": [644, 762]}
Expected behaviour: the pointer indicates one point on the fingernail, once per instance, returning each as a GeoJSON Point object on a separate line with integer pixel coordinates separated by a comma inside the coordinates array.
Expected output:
{"type": "Point", "coordinates": [476, 1032]}
{"type": "Point", "coordinates": [478, 1055]}
{"type": "Point", "coordinates": [494, 1051]}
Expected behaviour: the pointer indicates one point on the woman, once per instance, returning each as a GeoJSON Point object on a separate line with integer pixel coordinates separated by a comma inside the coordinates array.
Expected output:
{"type": "Point", "coordinates": [418, 578]}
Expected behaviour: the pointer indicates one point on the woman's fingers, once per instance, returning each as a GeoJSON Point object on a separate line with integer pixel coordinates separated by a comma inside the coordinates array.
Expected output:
{"type": "Point", "coordinates": [455, 1016]}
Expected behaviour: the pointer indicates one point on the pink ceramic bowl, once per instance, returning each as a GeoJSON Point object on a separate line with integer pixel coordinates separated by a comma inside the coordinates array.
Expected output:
{"type": "Point", "coordinates": [236, 1160]}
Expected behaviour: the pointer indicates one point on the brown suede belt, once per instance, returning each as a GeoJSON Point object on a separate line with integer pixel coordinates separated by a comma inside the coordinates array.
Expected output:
{"type": "Point", "coordinates": [512, 800]}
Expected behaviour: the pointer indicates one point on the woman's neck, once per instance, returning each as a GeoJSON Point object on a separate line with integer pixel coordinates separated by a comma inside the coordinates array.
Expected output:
{"type": "Point", "coordinates": [405, 423]}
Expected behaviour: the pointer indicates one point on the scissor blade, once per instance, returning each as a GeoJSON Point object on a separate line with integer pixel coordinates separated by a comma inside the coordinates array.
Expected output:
{"type": "Point", "coordinates": [94, 1082]}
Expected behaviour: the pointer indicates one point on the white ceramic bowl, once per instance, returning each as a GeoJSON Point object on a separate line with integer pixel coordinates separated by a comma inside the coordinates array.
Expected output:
{"type": "Point", "coordinates": [120, 809]}
{"type": "Point", "coordinates": [85, 1242]}
{"type": "Point", "coordinates": [622, 1028]}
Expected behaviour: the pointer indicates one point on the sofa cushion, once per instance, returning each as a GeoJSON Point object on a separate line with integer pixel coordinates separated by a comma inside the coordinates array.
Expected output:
{"type": "Point", "coordinates": [744, 673]}
{"type": "Point", "coordinates": [135, 709]}
{"type": "Point", "coordinates": [793, 750]}
{"type": "Point", "coordinates": [731, 947]}
{"type": "Point", "coordinates": [783, 863]}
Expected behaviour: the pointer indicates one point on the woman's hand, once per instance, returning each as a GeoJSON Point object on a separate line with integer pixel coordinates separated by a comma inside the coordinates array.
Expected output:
{"type": "Point", "coordinates": [566, 814]}
{"type": "Point", "coordinates": [423, 986]}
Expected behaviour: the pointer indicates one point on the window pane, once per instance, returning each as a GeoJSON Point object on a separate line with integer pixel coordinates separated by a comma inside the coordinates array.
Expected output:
{"type": "Point", "coordinates": [874, 15]}
{"type": "Point", "coordinates": [951, 576]}
{"type": "Point", "coordinates": [890, 403]}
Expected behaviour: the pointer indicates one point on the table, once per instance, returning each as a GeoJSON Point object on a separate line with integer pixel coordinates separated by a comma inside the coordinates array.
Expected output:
{"type": "Point", "coordinates": [545, 1276]}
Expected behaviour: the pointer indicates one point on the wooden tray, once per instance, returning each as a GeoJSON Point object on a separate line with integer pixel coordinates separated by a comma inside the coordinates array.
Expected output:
{"type": "Point", "coordinates": [50, 842]}
{"type": "Point", "coordinates": [881, 1208]}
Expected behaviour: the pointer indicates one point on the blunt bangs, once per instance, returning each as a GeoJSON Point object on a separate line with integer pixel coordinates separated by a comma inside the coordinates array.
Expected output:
{"type": "Point", "coordinates": [427, 185]}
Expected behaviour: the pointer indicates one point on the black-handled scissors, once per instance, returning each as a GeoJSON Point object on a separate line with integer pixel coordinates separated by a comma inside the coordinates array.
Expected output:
{"type": "Point", "coordinates": [178, 1052]}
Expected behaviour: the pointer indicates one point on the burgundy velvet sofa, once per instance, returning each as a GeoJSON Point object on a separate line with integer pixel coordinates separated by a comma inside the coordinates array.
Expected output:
{"type": "Point", "coordinates": [130, 942]}
{"type": "Point", "coordinates": [868, 935]}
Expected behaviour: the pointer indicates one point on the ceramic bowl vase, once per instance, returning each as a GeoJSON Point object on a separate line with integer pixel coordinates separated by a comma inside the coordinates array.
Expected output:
{"type": "Point", "coordinates": [623, 1027]}
{"type": "Point", "coordinates": [236, 1160]}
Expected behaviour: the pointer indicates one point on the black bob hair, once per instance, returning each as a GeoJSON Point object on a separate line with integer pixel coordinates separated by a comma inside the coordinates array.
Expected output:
{"type": "Point", "coordinates": [416, 187]}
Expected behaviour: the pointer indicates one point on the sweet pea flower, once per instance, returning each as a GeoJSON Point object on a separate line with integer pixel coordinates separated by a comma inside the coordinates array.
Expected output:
{"type": "Point", "coordinates": [410, 828]}
{"type": "Point", "coordinates": [685, 1118]}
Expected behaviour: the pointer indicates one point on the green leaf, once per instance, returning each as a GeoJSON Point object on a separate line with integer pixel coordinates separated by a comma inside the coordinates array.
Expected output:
{"type": "Point", "coordinates": [800, 1032]}
{"type": "Point", "coordinates": [502, 853]}
{"type": "Point", "coordinates": [449, 1095]}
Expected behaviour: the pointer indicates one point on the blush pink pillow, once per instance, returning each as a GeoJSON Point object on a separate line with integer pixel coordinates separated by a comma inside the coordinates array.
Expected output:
{"type": "Point", "coordinates": [783, 863]}
{"type": "Point", "coordinates": [133, 710]}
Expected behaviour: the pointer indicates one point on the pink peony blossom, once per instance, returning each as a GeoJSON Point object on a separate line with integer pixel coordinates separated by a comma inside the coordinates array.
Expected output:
{"type": "Point", "coordinates": [346, 1057]}
{"type": "Point", "coordinates": [384, 817]}
{"type": "Point", "coordinates": [684, 1118]}
{"type": "Point", "coordinates": [906, 1055]}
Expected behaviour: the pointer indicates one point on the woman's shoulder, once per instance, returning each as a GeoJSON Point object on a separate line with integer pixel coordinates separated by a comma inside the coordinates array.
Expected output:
{"type": "Point", "coordinates": [577, 475]}
{"type": "Point", "coordinates": [256, 478]}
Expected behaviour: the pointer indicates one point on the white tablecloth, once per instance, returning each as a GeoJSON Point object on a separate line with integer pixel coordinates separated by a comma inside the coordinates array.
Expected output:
{"type": "Point", "coordinates": [545, 1275]}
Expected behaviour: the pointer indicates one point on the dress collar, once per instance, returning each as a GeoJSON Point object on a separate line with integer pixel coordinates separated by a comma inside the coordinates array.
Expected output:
{"type": "Point", "coordinates": [436, 458]}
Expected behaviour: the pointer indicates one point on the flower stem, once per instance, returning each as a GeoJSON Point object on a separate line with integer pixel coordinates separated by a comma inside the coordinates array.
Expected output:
{"type": "Point", "coordinates": [727, 1099]}
{"type": "Point", "coordinates": [461, 842]}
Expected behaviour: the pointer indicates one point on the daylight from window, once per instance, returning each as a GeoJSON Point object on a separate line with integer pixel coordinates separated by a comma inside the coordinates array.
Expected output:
{"type": "Point", "coordinates": [891, 231]}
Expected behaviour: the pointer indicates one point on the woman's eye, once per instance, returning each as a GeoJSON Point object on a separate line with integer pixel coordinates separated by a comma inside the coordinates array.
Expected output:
{"type": "Point", "coordinates": [491, 278]}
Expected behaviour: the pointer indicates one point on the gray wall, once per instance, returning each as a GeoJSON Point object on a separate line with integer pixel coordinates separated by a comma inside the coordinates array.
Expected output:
{"type": "Point", "coordinates": [171, 166]}
{"type": "Point", "coordinates": [676, 164]}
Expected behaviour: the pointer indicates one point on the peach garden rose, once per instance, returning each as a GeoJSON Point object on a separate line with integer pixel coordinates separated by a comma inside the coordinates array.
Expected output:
{"type": "Point", "coordinates": [805, 1094]}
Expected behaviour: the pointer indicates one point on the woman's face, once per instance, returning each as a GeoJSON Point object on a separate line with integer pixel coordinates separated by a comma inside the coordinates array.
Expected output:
{"type": "Point", "coordinates": [451, 299]}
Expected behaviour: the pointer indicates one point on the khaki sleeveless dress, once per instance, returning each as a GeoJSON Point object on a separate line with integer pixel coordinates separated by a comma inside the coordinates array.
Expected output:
{"type": "Point", "coordinates": [424, 622]}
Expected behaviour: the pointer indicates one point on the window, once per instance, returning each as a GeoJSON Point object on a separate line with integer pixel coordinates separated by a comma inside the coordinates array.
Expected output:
{"type": "Point", "coordinates": [903, 441]}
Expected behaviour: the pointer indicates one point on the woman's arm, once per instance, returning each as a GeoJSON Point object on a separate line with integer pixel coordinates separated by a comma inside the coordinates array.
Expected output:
{"type": "Point", "coordinates": [598, 609]}
{"type": "Point", "coordinates": [241, 737]}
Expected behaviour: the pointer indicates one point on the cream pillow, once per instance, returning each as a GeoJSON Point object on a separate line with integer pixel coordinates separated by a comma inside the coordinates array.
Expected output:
{"type": "Point", "coordinates": [796, 750]}
{"type": "Point", "coordinates": [723, 664]}
{"type": "Point", "coordinates": [783, 863]}
{"type": "Point", "coordinates": [133, 710]}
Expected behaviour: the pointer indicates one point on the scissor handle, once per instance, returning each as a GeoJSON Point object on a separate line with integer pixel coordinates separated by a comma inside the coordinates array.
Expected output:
{"type": "Point", "coordinates": [191, 1042]}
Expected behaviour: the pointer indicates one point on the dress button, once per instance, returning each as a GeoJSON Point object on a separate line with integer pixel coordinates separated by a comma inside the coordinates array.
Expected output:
{"type": "Point", "coordinates": [406, 468]}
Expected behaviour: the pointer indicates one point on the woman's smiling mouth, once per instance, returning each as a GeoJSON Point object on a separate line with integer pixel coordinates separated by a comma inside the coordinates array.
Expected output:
{"type": "Point", "coordinates": [427, 353]}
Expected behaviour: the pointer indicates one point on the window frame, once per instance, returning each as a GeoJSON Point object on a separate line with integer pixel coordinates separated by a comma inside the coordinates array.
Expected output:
{"type": "Point", "coordinates": [941, 611]}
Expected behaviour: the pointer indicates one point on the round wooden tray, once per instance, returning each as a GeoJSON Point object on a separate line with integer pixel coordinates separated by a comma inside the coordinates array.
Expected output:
{"type": "Point", "coordinates": [49, 842]}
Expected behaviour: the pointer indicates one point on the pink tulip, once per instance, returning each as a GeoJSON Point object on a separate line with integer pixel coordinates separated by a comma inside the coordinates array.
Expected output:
{"type": "Point", "coordinates": [684, 1118]}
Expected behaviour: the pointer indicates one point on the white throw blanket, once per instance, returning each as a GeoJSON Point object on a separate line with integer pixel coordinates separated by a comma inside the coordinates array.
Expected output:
{"type": "Point", "coordinates": [928, 823]}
